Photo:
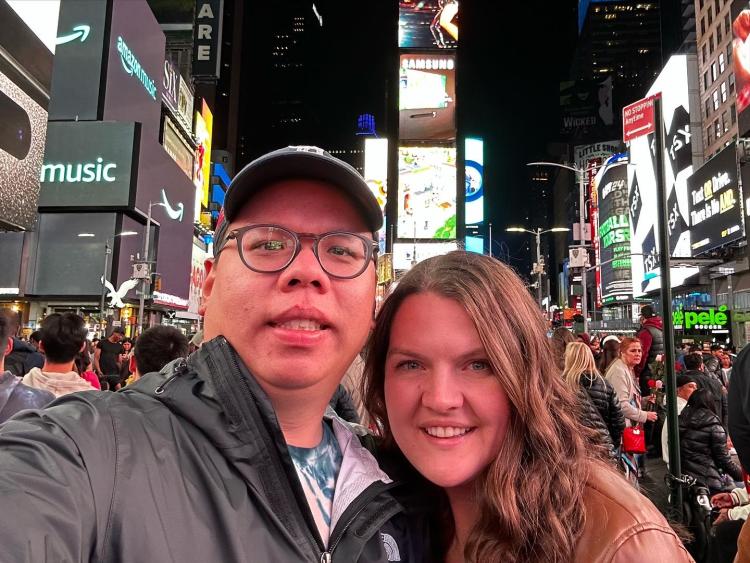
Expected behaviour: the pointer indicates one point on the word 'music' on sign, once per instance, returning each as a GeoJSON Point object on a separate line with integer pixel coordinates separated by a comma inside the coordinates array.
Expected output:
{"type": "Point", "coordinates": [133, 67]}
{"type": "Point", "coordinates": [638, 119]}
{"type": "Point", "coordinates": [98, 171]}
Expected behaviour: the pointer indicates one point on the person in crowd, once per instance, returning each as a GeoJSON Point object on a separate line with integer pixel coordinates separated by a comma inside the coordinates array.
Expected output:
{"type": "Point", "coordinates": [621, 375]}
{"type": "Point", "coordinates": [126, 359]}
{"type": "Point", "coordinates": [35, 338]}
{"type": "Point", "coordinates": [610, 351]}
{"type": "Point", "coordinates": [695, 369]}
{"type": "Point", "coordinates": [226, 455]}
{"type": "Point", "coordinates": [561, 336]}
{"type": "Point", "coordinates": [651, 336]}
{"type": "Point", "coordinates": [85, 369]}
{"type": "Point", "coordinates": [734, 508]}
{"type": "Point", "coordinates": [600, 404]}
{"type": "Point", "coordinates": [352, 381]}
{"type": "Point", "coordinates": [685, 387]}
{"type": "Point", "coordinates": [461, 382]}
{"type": "Point", "coordinates": [63, 337]}
{"type": "Point", "coordinates": [703, 443]}
{"type": "Point", "coordinates": [343, 405]}
{"type": "Point", "coordinates": [14, 395]}
{"type": "Point", "coordinates": [107, 359]}
{"type": "Point", "coordinates": [739, 431]}
{"type": "Point", "coordinates": [156, 347]}
{"type": "Point", "coordinates": [24, 355]}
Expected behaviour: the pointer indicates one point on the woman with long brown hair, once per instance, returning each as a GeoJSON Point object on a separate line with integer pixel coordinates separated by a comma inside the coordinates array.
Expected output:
{"type": "Point", "coordinates": [460, 379]}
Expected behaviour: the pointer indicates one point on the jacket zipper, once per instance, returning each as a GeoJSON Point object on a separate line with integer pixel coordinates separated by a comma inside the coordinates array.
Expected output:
{"type": "Point", "coordinates": [179, 370]}
{"type": "Point", "coordinates": [238, 372]}
{"type": "Point", "coordinates": [361, 503]}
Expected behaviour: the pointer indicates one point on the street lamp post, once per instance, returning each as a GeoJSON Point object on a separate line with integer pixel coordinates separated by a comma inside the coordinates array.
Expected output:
{"type": "Point", "coordinates": [539, 268]}
{"type": "Point", "coordinates": [142, 299]}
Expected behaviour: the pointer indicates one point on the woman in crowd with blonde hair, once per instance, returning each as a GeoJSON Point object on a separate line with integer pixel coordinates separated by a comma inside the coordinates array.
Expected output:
{"type": "Point", "coordinates": [600, 406]}
{"type": "Point", "coordinates": [461, 381]}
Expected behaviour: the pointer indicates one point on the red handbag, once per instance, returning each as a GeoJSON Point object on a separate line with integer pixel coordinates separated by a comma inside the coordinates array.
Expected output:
{"type": "Point", "coordinates": [634, 440]}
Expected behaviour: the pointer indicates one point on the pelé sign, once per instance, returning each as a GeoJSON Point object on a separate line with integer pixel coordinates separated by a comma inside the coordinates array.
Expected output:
{"type": "Point", "coordinates": [707, 319]}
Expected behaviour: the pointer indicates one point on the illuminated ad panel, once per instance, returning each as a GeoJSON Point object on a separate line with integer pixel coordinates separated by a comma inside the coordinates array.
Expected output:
{"type": "Point", "coordinates": [611, 187]}
{"type": "Point", "coordinates": [205, 141]}
{"type": "Point", "coordinates": [426, 193]}
{"type": "Point", "coordinates": [741, 61]}
{"type": "Point", "coordinates": [202, 161]}
{"type": "Point", "coordinates": [89, 164]}
{"type": "Point", "coordinates": [715, 203]}
{"type": "Point", "coordinates": [429, 24]}
{"type": "Point", "coordinates": [474, 164]}
{"type": "Point", "coordinates": [427, 97]}
{"type": "Point", "coordinates": [681, 115]}
{"type": "Point", "coordinates": [376, 176]}
{"type": "Point", "coordinates": [404, 256]}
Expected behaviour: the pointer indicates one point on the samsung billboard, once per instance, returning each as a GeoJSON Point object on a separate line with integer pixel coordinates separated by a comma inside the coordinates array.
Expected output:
{"type": "Point", "coordinates": [715, 203]}
{"type": "Point", "coordinates": [427, 97]}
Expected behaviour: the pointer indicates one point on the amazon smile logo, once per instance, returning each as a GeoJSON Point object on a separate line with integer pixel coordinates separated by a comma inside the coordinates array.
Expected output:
{"type": "Point", "coordinates": [133, 67]}
{"type": "Point", "coordinates": [175, 213]}
{"type": "Point", "coordinates": [79, 32]}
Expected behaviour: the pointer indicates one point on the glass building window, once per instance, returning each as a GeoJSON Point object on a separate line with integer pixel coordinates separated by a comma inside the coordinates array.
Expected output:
{"type": "Point", "coordinates": [723, 92]}
{"type": "Point", "coordinates": [722, 66]}
{"type": "Point", "coordinates": [715, 97]}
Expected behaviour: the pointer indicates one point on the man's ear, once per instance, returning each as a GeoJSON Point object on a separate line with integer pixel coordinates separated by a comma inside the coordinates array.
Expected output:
{"type": "Point", "coordinates": [208, 284]}
{"type": "Point", "coordinates": [8, 347]}
{"type": "Point", "coordinates": [41, 347]}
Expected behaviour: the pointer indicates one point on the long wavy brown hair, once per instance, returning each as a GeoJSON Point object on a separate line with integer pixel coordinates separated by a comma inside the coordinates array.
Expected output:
{"type": "Point", "coordinates": [530, 497]}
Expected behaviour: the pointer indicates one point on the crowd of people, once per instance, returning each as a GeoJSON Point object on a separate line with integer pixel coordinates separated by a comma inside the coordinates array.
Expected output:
{"type": "Point", "coordinates": [483, 439]}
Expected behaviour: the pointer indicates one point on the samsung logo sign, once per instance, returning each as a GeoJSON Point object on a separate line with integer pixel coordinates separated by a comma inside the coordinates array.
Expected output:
{"type": "Point", "coordinates": [133, 67]}
{"type": "Point", "coordinates": [87, 172]}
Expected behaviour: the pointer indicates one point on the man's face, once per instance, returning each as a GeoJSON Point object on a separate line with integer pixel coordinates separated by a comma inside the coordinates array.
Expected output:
{"type": "Point", "coordinates": [686, 390]}
{"type": "Point", "coordinates": [116, 337]}
{"type": "Point", "coordinates": [298, 328]}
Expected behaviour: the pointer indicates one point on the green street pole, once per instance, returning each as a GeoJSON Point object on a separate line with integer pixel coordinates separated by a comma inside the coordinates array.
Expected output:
{"type": "Point", "coordinates": [673, 431]}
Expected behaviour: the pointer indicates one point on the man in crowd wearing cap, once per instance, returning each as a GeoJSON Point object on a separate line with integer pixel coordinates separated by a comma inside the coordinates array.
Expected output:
{"type": "Point", "coordinates": [227, 455]}
{"type": "Point", "coordinates": [685, 387]}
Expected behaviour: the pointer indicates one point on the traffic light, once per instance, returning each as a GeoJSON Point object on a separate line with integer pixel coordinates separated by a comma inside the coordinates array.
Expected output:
{"type": "Point", "coordinates": [156, 282]}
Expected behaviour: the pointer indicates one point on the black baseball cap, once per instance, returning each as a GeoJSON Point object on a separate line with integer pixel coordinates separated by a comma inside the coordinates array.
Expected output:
{"type": "Point", "coordinates": [684, 380]}
{"type": "Point", "coordinates": [305, 162]}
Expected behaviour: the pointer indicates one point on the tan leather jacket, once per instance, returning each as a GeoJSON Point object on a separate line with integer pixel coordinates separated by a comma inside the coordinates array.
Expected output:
{"type": "Point", "coordinates": [622, 526]}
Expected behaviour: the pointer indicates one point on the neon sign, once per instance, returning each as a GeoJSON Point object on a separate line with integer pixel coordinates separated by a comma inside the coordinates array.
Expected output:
{"type": "Point", "coordinates": [133, 67]}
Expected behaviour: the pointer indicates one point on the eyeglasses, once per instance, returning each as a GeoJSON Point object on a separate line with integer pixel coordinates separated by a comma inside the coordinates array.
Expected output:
{"type": "Point", "coordinates": [267, 249]}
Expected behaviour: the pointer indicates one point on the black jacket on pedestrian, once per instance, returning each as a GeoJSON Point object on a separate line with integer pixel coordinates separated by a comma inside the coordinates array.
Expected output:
{"type": "Point", "coordinates": [739, 406]}
{"type": "Point", "coordinates": [703, 449]}
{"type": "Point", "coordinates": [188, 464]}
{"type": "Point", "coordinates": [23, 358]}
{"type": "Point", "coordinates": [708, 381]}
{"type": "Point", "coordinates": [601, 410]}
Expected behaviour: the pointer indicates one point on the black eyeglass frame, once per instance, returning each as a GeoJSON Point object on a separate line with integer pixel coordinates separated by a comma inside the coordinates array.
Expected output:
{"type": "Point", "coordinates": [371, 248]}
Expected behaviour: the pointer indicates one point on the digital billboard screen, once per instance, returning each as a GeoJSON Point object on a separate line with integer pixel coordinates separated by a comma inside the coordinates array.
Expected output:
{"type": "Point", "coordinates": [715, 203]}
{"type": "Point", "coordinates": [428, 24]}
{"type": "Point", "coordinates": [376, 176]}
{"type": "Point", "coordinates": [406, 254]}
{"type": "Point", "coordinates": [611, 185]}
{"type": "Point", "coordinates": [427, 97]}
{"type": "Point", "coordinates": [474, 175]}
{"type": "Point", "coordinates": [740, 13]}
{"type": "Point", "coordinates": [681, 115]}
{"type": "Point", "coordinates": [90, 164]}
{"type": "Point", "coordinates": [426, 193]}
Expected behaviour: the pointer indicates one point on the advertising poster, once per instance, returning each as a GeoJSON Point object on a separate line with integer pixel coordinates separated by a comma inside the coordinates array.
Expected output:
{"type": "Point", "coordinates": [197, 276]}
{"type": "Point", "coordinates": [376, 176]}
{"type": "Point", "coordinates": [427, 97]}
{"type": "Point", "coordinates": [681, 116]}
{"type": "Point", "coordinates": [202, 162]}
{"type": "Point", "coordinates": [428, 24]}
{"type": "Point", "coordinates": [474, 165]}
{"type": "Point", "coordinates": [740, 14]}
{"type": "Point", "coordinates": [406, 254]}
{"type": "Point", "coordinates": [177, 148]}
{"type": "Point", "coordinates": [426, 193]}
{"type": "Point", "coordinates": [715, 203]}
{"type": "Point", "coordinates": [611, 186]}
{"type": "Point", "coordinates": [586, 109]}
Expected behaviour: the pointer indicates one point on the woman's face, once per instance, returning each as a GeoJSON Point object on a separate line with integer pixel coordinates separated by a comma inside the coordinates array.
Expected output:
{"type": "Point", "coordinates": [446, 408]}
{"type": "Point", "coordinates": [632, 354]}
{"type": "Point", "coordinates": [127, 346]}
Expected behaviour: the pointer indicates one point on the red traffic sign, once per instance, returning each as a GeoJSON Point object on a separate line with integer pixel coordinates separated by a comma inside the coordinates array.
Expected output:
{"type": "Point", "coordinates": [638, 119]}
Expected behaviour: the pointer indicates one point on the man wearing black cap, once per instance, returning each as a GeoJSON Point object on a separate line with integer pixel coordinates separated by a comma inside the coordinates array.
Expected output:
{"type": "Point", "coordinates": [227, 455]}
{"type": "Point", "coordinates": [685, 387]}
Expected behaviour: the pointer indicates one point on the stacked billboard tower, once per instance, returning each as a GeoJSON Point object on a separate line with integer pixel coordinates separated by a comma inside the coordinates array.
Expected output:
{"type": "Point", "coordinates": [428, 207]}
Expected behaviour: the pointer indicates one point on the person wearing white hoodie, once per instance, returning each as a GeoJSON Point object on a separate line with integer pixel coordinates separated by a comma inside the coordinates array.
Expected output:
{"type": "Point", "coordinates": [63, 336]}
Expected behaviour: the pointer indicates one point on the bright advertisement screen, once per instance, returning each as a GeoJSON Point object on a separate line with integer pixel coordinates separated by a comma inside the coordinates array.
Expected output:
{"type": "Point", "coordinates": [376, 176]}
{"type": "Point", "coordinates": [205, 140]}
{"type": "Point", "coordinates": [426, 193]}
{"type": "Point", "coordinates": [474, 174]}
{"type": "Point", "coordinates": [680, 116]}
{"type": "Point", "coordinates": [741, 61]}
{"type": "Point", "coordinates": [427, 97]}
{"type": "Point", "coordinates": [406, 254]}
{"type": "Point", "coordinates": [715, 203]}
{"type": "Point", "coordinates": [428, 24]}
